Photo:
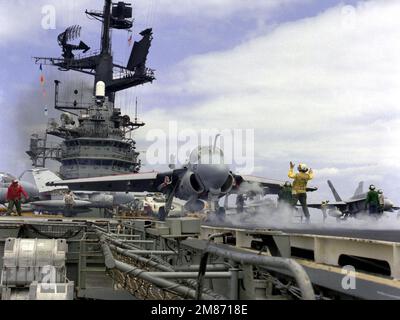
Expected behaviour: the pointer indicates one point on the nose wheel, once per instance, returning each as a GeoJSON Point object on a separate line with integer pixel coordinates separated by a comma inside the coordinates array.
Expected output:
{"type": "Point", "coordinates": [162, 214]}
{"type": "Point", "coordinates": [221, 213]}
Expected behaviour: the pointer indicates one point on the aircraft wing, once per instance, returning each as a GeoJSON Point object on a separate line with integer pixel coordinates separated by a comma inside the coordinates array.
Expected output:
{"type": "Point", "coordinates": [330, 205]}
{"type": "Point", "coordinates": [134, 182]}
{"type": "Point", "coordinates": [42, 176]}
{"type": "Point", "coordinates": [270, 186]}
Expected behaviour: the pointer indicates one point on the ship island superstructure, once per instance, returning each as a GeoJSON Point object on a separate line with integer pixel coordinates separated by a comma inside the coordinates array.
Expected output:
{"type": "Point", "coordinates": [94, 135]}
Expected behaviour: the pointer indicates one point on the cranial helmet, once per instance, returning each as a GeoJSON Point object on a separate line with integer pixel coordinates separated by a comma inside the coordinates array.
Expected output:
{"type": "Point", "coordinates": [14, 182]}
{"type": "Point", "coordinates": [302, 167]}
{"type": "Point", "coordinates": [287, 184]}
{"type": "Point", "coordinates": [380, 191]}
{"type": "Point", "coordinates": [371, 187]}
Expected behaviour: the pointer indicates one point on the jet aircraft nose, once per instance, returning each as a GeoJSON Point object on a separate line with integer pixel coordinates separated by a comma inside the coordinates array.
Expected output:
{"type": "Point", "coordinates": [215, 178]}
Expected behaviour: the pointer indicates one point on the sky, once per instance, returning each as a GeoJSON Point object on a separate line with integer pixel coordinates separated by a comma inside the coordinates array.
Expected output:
{"type": "Point", "coordinates": [317, 81]}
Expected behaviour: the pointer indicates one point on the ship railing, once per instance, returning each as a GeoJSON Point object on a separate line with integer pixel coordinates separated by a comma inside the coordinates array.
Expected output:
{"type": "Point", "coordinates": [81, 56]}
{"type": "Point", "coordinates": [124, 73]}
{"type": "Point", "coordinates": [74, 61]}
{"type": "Point", "coordinates": [119, 156]}
{"type": "Point", "coordinates": [121, 74]}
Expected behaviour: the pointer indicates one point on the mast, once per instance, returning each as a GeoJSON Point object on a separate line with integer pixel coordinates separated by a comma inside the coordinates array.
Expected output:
{"type": "Point", "coordinates": [101, 65]}
{"type": "Point", "coordinates": [105, 38]}
{"type": "Point", "coordinates": [94, 135]}
{"type": "Point", "coordinates": [104, 69]}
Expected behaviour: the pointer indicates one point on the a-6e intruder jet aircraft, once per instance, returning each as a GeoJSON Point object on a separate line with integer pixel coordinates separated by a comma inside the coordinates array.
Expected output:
{"type": "Point", "coordinates": [205, 178]}
{"type": "Point", "coordinates": [350, 207]}
{"type": "Point", "coordinates": [51, 199]}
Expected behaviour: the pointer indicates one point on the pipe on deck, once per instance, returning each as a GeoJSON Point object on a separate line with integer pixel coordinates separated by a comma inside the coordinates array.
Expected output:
{"type": "Point", "coordinates": [184, 291]}
{"type": "Point", "coordinates": [292, 266]}
{"type": "Point", "coordinates": [193, 275]}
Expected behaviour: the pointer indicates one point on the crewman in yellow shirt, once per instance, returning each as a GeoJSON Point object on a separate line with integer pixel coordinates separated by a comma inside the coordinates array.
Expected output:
{"type": "Point", "coordinates": [299, 186]}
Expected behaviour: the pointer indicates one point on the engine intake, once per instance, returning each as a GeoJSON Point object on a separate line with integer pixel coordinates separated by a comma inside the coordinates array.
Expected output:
{"type": "Point", "coordinates": [191, 184]}
{"type": "Point", "coordinates": [228, 184]}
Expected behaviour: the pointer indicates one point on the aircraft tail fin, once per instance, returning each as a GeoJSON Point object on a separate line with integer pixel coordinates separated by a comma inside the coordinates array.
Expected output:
{"type": "Point", "coordinates": [335, 194]}
{"type": "Point", "coordinates": [359, 189]}
{"type": "Point", "coordinates": [42, 177]}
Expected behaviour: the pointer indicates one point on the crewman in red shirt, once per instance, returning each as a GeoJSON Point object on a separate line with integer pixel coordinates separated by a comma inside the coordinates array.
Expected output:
{"type": "Point", "coordinates": [14, 193]}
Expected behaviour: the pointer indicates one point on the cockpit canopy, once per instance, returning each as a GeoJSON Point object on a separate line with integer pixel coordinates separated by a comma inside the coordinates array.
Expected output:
{"type": "Point", "coordinates": [206, 155]}
{"type": "Point", "coordinates": [6, 178]}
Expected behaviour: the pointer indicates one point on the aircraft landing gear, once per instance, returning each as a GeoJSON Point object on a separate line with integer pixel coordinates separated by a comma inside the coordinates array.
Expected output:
{"type": "Point", "coordinates": [221, 213]}
{"type": "Point", "coordinates": [162, 214]}
{"type": "Point", "coordinates": [343, 217]}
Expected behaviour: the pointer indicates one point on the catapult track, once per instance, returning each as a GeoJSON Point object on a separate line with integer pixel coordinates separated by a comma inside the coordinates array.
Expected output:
{"type": "Point", "coordinates": [381, 234]}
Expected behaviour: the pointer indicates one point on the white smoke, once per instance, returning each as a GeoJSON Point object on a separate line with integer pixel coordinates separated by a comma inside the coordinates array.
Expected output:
{"type": "Point", "coordinates": [285, 217]}
{"type": "Point", "coordinates": [247, 187]}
